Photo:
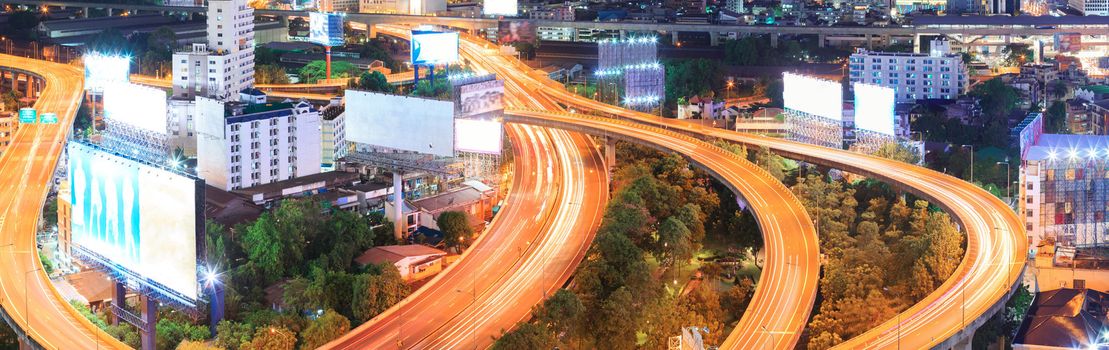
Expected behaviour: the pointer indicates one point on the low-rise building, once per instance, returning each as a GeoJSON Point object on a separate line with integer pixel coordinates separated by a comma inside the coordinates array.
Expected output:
{"type": "Point", "coordinates": [473, 198]}
{"type": "Point", "coordinates": [333, 136]}
{"type": "Point", "coordinates": [8, 125]}
{"type": "Point", "coordinates": [414, 261]}
{"type": "Point", "coordinates": [1063, 319]}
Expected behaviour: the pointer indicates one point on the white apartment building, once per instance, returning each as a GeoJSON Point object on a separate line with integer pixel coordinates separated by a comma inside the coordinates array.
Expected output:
{"type": "Point", "coordinates": [939, 74]}
{"type": "Point", "coordinates": [408, 7]}
{"type": "Point", "coordinates": [1090, 7]}
{"type": "Point", "coordinates": [225, 65]}
{"type": "Point", "coordinates": [333, 136]}
{"type": "Point", "coordinates": [182, 129]}
{"type": "Point", "coordinates": [242, 145]}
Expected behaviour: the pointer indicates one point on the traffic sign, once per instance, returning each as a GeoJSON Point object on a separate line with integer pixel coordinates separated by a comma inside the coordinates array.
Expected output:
{"type": "Point", "coordinates": [27, 115]}
{"type": "Point", "coordinates": [48, 118]}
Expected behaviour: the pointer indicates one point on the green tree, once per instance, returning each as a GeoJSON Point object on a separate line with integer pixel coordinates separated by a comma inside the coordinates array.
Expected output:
{"type": "Point", "coordinates": [1055, 119]}
{"type": "Point", "coordinates": [562, 313]}
{"type": "Point", "coordinates": [734, 301]}
{"type": "Point", "coordinates": [455, 227]}
{"type": "Point", "coordinates": [270, 74]}
{"type": "Point", "coordinates": [374, 81]}
{"type": "Point", "coordinates": [47, 264]}
{"type": "Point", "coordinates": [526, 336]}
{"type": "Point", "coordinates": [1016, 54]}
{"type": "Point", "coordinates": [315, 70]}
{"type": "Point", "coordinates": [272, 338]}
{"type": "Point", "coordinates": [617, 321]}
{"type": "Point", "coordinates": [327, 327]}
{"type": "Point", "coordinates": [171, 332]}
{"type": "Point", "coordinates": [266, 56]}
{"type": "Point", "coordinates": [627, 215]}
{"type": "Point", "coordinates": [898, 152]}
{"type": "Point", "coordinates": [674, 238]}
{"type": "Point", "coordinates": [162, 41]}
{"type": "Point", "coordinates": [373, 294]}
{"type": "Point", "coordinates": [196, 345]}
{"type": "Point", "coordinates": [21, 24]}
{"type": "Point", "coordinates": [233, 335]}
{"type": "Point", "coordinates": [263, 246]}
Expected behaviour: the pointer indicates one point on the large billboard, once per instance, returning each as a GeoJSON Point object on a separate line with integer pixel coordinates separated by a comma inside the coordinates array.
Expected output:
{"type": "Point", "coordinates": [515, 31]}
{"type": "Point", "coordinates": [478, 98]}
{"type": "Point", "coordinates": [325, 28]}
{"type": "Point", "coordinates": [430, 47]}
{"type": "Point", "coordinates": [103, 69]}
{"type": "Point", "coordinates": [819, 97]}
{"type": "Point", "coordinates": [1068, 42]}
{"type": "Point", "coordinates": [137, 221]}
{"type": "Point", "coordinates": [400, 122]}
{"type": "Point", "coordinates": [874, 108]}
{"type": "Point", "coordinates": [500, 8]}
{"type": "Point", "coordinates": [478, 136]}
{"type": "Point", "coordinates": [139, 106]}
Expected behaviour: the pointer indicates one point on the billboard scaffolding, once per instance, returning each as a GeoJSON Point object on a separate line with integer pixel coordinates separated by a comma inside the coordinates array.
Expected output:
{"type": "Point", "coordinates": [632, 64]}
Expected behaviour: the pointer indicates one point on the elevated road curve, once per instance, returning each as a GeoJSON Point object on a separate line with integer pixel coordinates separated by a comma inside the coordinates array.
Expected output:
{"type": "Point", "coordinates": [996, 244]}
{"type": "Point", "coordinates": [30, 303]}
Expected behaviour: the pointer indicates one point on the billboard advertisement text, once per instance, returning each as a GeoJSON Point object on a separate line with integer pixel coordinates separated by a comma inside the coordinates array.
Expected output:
{"type": "Point", "coordinates": [434, 47]}
{"type": "Point", "coordinates": [138, 221]}
{"type": "Point", "coordinates": [478, 98]}
{"type": "Point", "coordinates": [1068, 42]}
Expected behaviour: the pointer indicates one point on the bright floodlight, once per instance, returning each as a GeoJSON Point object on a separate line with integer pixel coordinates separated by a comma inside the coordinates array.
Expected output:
{"type": "Point", "coordinates": [211, 276]}
{"type": "Point", "coordinates": [102, 69]}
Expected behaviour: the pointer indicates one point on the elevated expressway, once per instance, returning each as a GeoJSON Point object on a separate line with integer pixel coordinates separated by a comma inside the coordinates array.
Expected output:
{"type": "Point", "coordinates": [996, 244]}
{"type": "Point", "coordinates": [30, 303]}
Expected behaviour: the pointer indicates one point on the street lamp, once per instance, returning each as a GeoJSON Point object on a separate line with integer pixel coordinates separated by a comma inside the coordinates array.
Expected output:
{"type": "Point", "coordinates": [1008, 181]}
{"type": "Point", "coordinates": [971, 161]}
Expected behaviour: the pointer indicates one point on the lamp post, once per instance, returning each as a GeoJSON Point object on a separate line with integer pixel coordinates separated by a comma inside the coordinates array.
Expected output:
{"type": "Point", "coordinates": [1008, 180]}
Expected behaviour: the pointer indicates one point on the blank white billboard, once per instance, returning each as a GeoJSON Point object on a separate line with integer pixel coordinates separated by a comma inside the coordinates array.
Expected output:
{"type": "Point", "coordinates": [500, 8]}
{"type": "Point", "coordinates": [814, 96]}
{"type": "Point", "coordinates": [136, 220]}
{"type": "Point", "coordinates": [874, 108]}
{"type": "Point", "coordinates": [478, 136]}
{"type": "Point", "coordinates": [400, 122]}
{"type": "Point", "coordinates": [434, 47]}
{"type": "Point", "coordinates": [136, 105]}
{"type": "Point", "coordinates": [104, 69]}
{"type": "Point", "coordinates": [478, 98]}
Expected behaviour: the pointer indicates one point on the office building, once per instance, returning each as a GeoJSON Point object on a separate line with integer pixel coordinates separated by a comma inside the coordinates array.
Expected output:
{"type": "Point", "coordinates": [1063, 186]}
{"type": "Point", "coordinates": [242, 145]}
{"type": "Point", "coordinates": [224, 66]}
{"type": "Point", "coordinates": [1090, 7]}
{"type": "Point", "coordinates": [939, 74]}
{"type": "Point", "coordinates": [404, 7]}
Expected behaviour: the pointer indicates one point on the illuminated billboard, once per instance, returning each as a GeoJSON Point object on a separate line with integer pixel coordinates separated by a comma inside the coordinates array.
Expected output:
{"type": "Point", "coordinates": [1068, 42]}
{"type": "Point", "coordinates": [477, 136]}
{"type": "Point", "coordinates": [103, 69]}
{"type": "Point", "coordinates": [515, 31]}
{"type": "Point", "coordinates": [136, 105]}
{"type": "Point", "coordinates": [400, 122]}
{"type": "Point", "coordinates": [874, 108]}
{"type": "Point", "coordinates": [499, 8]}
{"type": "Point", "coordinates": [325, 28]}
{"type": "Point", "coordinates": [819, 97]}
{"type": "Point", "coordinates": [138, 222]}
{"type": "Point", "coordinates": [478, 98]}
{"type": "Point", "coordinates": [434, 47]}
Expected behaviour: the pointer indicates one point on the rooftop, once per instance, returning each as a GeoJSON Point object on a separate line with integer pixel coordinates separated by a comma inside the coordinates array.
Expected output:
{"type": "Point", "coordinates": [300, 184]}
{"type": "Point", "coordinates": [1097, 89]}
{"type": "Point", "coordinates": [1070, 318]}
{"type": "Point", "coordinates": [449, 199]}
{"type": "Point", "coordinates": [394, 253]}
{"type": "Point", "coordinates": [1010, 20]}
{"type": "Point", "coordinates": [1068, 147]}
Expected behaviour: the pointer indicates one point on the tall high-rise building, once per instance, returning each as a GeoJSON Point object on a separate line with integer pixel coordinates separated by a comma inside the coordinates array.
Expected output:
{"type": "Point", "coordinates": [243, 145]}
{"type": "Point", "coordinates": [1090, 7]}
{"type": "Point", "coordinates": [225, 65]}
{"type": "Point", "coordinates": [939, 74]}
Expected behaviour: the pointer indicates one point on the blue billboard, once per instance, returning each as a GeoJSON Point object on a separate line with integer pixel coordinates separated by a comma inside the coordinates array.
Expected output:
{"type": "Point", "coordinates": [121, 221]}
{"type": "Point", "coordinates": [429, 47]}
{"type": "Point", "coordinates": [325, 28]}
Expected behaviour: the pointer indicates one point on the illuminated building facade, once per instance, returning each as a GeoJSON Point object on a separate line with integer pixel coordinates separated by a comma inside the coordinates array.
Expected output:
{"type": "Point", "coordinates": [939, 74]}
{"type": "Point", "coordinates": [225, 65]}
{"type": "Point", "coordinates": [1064, 187]}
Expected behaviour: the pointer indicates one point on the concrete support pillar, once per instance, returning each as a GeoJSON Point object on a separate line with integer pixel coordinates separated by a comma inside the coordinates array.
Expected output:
{"type": "Point", "coordinates": [370, 28]}
{"type": "Point", "coordinates": [610, 154]}
{"type": "Point", "coordinates": [885, 40]}
{"type": "Point", "coordinates": [674, 38]}
{"type": "Point", "coordinates": [400, 225]}
{"type": "Point", "coordinates": [916, 43]}
{"type": "Point", "coordinates": [869, 42]}
{"type": "Point", "coordinates": [623, 34]}
{"type": "Point", "coordinates": [150, 318]}
{"type": "Point", "coordinates": [30, 87]}
{"type": "Point", "coordinates": [774, 39]}
{"type": "Point", "coordinates": [85, 12]}
{"type": "Point", "coordinates": [109, 12]}
{"type": "Point", "coordinates": [714, 39]}
{"type": "Point", "coordinates": [15, 81]}
{"type": "Point", "coordinates": [119, 297]}
{"type": "Point", "coordinates": [25, 344]}
{"type": "Point", "coordinates": [821, 40]}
